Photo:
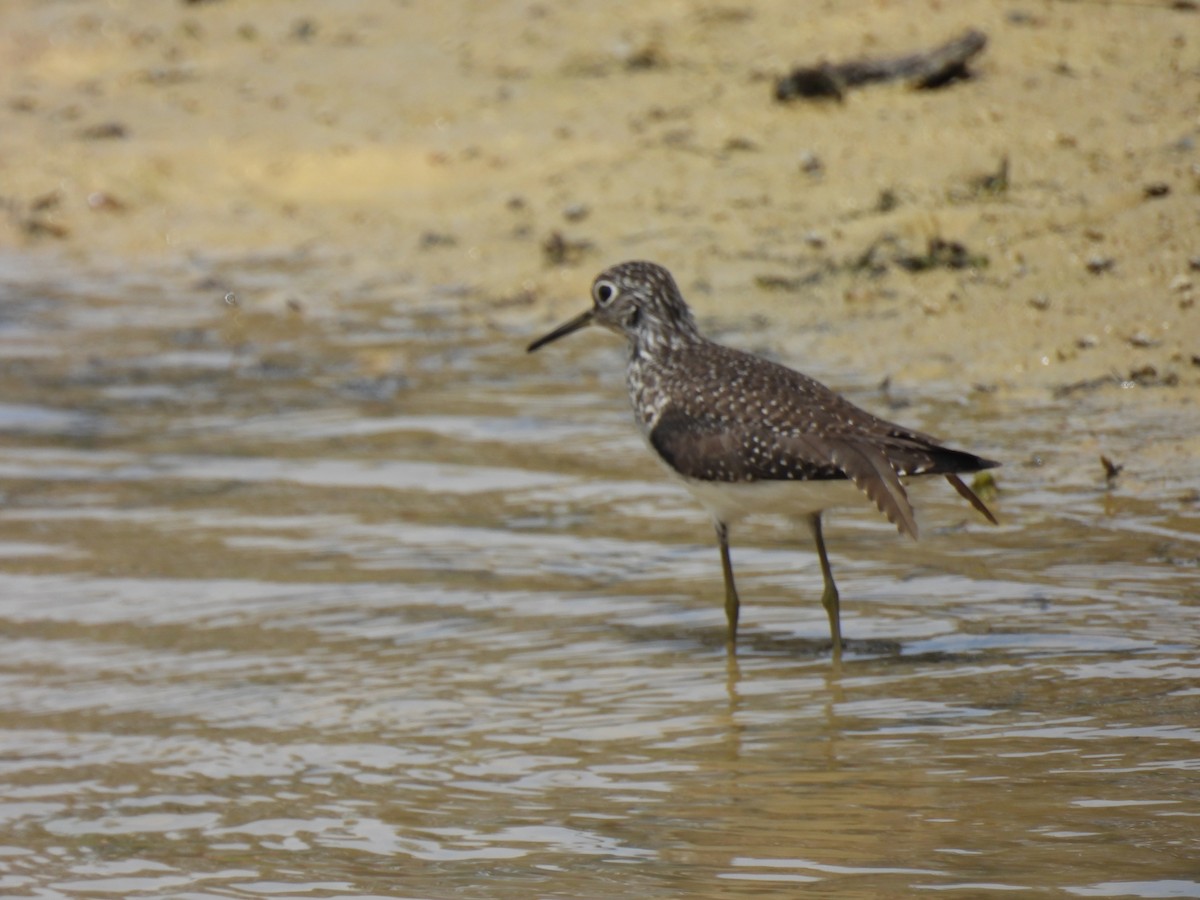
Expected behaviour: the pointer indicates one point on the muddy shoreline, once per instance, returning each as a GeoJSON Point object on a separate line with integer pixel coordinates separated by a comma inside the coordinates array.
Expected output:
{"type": "Point", "coordinates": [511, 151]}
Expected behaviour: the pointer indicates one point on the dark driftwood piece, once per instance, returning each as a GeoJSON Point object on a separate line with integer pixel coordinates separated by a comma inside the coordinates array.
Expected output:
{"type": "Point", "coordinates": [928, 69]}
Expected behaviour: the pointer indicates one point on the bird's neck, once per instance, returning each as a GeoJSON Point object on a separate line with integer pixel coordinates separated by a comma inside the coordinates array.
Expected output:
{"type": "Point", "coordinates": [658, 339]}
{"type": "Point", "coordinates": [653, 354]}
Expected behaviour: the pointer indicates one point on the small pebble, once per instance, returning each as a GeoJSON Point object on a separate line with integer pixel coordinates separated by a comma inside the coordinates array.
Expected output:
{"type": "Point", "coordinates": [430, 239]}
{"type": "Point", "coordinates": [104, 202]}
{"type": "Point", "coordinates": [739, 143]}
{"type": "Point", "coordinates": [104, 131]}
{"type": "Point", "coordinates": [1141, 339]}
{"type": "Point", "coordinates": [576, 212]}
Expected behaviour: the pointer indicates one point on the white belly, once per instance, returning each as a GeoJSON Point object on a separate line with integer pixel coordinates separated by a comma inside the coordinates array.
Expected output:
{"type": "Point", "coordinates": [728, 502]}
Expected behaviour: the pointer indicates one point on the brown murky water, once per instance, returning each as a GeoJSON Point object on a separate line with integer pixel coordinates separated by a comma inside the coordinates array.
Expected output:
{"type": "Point", "coordinates": [358, 600]}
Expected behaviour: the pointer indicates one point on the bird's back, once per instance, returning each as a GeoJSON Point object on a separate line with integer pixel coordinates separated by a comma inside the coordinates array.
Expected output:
{"type": "Point", "coordinates": [716, 414]}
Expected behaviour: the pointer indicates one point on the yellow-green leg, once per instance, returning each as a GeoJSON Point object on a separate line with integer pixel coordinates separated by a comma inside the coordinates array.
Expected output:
{"type": "Point", "coordinates": [732, 604]}
{"type": "Point", "coordinates": [829, 599]}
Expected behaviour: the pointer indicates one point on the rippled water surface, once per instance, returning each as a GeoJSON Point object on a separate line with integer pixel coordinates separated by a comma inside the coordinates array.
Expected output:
{"type": "Point", "coordinates": [356, 599]}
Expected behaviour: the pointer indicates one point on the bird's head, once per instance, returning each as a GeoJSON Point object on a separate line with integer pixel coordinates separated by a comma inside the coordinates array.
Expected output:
{"type": "Point", "coordinates": [639, 300]}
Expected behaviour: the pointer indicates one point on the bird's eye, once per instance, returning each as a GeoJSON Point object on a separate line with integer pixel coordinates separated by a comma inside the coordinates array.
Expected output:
{"type": "Point", "coordinates": [604, 292]}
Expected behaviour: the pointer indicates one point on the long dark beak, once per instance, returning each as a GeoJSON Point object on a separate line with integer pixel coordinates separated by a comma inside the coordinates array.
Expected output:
{"type": "Point", "coordinates": [563, 330]}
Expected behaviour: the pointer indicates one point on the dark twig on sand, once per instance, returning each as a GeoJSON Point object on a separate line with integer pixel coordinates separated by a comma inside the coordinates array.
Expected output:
{"type": "Point", "coordinates": [928, 69]}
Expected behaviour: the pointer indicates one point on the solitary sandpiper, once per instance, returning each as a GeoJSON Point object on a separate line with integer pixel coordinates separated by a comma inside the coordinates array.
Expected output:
{"type": "Point", "coordinates": [746, 435]}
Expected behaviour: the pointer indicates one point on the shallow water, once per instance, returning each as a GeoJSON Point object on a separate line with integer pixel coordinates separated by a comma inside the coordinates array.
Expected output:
{"type": "Point", "coordinates": [356, 599]}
